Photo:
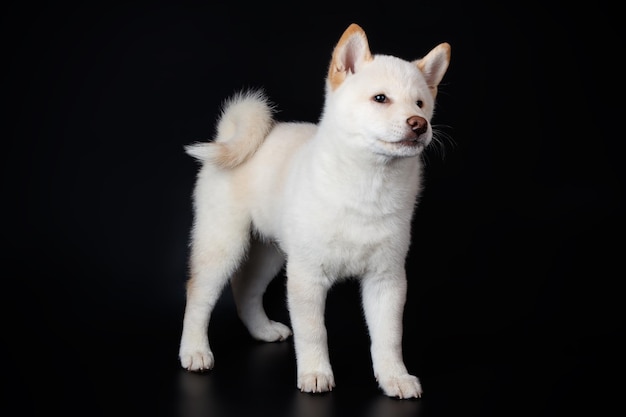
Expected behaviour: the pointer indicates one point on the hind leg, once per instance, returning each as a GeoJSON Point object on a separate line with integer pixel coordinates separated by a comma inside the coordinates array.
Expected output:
{"type": "Point", "coordinates": [216, 253]}
{"type": "Point", "coordinates": [249, 284]}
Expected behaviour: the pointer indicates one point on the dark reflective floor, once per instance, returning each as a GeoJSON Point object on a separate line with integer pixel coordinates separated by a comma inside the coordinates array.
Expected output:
{"type": "Point", "coordinates": [125, 364]}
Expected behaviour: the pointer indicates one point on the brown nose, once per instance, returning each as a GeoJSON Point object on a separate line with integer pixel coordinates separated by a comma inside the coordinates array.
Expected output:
{"type": "Point", "coordinates": [418, 124]}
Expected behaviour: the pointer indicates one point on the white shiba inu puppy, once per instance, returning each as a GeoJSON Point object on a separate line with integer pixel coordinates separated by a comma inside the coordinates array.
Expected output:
{"type": "Point", "coordinates": [328, 201]}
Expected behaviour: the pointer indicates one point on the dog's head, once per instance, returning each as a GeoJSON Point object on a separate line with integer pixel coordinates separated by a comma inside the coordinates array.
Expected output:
{"type": "Point", "coordinates": [383, 102]}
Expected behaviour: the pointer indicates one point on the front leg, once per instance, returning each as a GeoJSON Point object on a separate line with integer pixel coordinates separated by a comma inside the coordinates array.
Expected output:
{"type": "Point", "coordinates": [306, 294]}
{"type": "Point", "coordinates": [383, 302]}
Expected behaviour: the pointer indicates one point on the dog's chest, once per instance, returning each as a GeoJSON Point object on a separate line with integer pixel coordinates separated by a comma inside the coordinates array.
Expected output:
{"type": "Point", "coordinates": [350, 231]}
{"type": "Point", "coordinates": [350, 244]}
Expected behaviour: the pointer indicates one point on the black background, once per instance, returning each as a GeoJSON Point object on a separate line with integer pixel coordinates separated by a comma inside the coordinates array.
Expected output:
{"type": "Point", "coordinates": [514, 306]}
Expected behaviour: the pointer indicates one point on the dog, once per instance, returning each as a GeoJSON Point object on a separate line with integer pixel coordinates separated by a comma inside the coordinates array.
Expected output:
{"type": "Point", "coordinates": [326, 201]}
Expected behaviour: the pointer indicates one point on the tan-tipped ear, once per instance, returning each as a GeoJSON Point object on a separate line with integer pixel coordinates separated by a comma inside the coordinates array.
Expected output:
{"type": "Point", "coordinates": [349, 54]}
{"type": "Point", "coordinates": [434, 65]}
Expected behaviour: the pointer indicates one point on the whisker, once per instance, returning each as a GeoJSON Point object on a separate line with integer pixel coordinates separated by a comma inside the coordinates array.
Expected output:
{"type": "Point", "coordinates": [441, 139]}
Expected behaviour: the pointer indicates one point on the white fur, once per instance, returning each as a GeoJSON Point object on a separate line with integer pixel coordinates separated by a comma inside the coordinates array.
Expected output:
{"type": "Point", "coordinates": [333, 200]}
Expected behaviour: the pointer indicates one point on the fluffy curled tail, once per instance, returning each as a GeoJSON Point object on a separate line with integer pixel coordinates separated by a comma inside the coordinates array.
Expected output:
{"type": "Point", "coordinates": [246, 119]}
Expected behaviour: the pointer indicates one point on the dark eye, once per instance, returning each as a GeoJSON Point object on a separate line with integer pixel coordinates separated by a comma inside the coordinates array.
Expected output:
{"type": "Point", "coordinates": [420, 103]}
{"type": "Point", "coordinates": [380, 98]}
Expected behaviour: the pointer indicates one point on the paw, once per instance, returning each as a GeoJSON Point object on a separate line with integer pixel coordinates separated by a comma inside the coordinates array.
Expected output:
{"type": "Point", "coordinates": [273, 331]}
{"type": "Point", "coordinates": [316, 382]}
{"type": "Point", "coordinates": [198, 360]}
{"type": "Point", "coordinates": [402, 386]}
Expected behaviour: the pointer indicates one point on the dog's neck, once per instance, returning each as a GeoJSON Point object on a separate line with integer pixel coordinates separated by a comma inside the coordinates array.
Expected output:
{"type": "Point", "coordinates": [338, 155]}
{"type": "Point", "coordinates": [361, 176]}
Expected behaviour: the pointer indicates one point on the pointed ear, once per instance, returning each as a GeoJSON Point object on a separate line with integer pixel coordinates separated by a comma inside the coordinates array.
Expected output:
{"type": "Point", "coordinates": [434, 65]}
{"type": "Point", "coordinates": [350, 53]}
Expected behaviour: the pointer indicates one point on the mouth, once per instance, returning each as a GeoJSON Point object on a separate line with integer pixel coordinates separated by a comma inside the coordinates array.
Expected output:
{"type": "Point", "coordinates": [401, 148]}
{"type": "Point", "coordinates": [413, 143]}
